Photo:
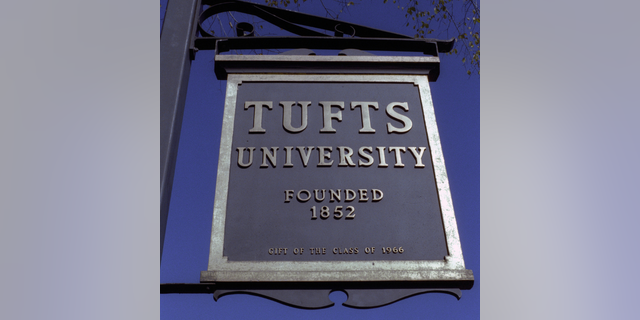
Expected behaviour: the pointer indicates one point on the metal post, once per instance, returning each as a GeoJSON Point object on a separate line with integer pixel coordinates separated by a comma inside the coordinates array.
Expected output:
{"type": "Point", "coordinates": [175, 64]}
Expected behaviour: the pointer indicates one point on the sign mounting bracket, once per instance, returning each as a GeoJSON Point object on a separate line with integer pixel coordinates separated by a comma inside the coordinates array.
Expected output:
{"type": "Point", "coordinates": [345, 35]}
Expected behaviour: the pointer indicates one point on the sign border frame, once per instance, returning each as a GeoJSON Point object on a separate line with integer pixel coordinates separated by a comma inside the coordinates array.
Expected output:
{"type": "Point", "coordinates": [450, 268]}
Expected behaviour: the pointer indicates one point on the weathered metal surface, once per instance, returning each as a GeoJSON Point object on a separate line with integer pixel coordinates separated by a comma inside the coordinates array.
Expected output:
{"type": "Point", "coordinates": [310, 64]}
{"type": "Point", "coordinates": [258, 224]}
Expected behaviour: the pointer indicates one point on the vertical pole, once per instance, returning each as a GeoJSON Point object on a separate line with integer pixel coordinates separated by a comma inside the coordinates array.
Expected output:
{"type": "Point", "coordinates": [175, 64]}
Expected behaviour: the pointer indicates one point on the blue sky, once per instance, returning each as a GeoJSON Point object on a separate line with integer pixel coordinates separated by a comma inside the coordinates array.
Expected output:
{"type": "Point", "coordinates": [558, 162]}
{"type": "Point", "coordinates": [456, 101]}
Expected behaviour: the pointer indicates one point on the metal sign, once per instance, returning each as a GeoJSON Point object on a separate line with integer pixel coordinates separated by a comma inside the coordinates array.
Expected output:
{"type": "Point", "coordinates": [332, 181]}
{"type": "Point", "coordinates": [331, 174]}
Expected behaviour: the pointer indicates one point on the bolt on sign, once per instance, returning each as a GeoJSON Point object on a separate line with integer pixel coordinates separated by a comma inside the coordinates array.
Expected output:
{"type": "Point", "coordinates": [332, 178]}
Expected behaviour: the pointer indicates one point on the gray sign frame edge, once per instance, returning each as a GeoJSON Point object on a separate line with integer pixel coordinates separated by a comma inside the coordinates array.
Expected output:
{"type": "Point", "coordinates": [451, 268]}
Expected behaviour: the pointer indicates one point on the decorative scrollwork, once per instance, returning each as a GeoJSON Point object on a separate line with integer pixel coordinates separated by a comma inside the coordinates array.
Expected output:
{"type": "Point", "coordinates": [295, 23]}
{"type": "Point", "coordinates": [319, 298]}
{"type": "Point", "coordinates": [345, 35]}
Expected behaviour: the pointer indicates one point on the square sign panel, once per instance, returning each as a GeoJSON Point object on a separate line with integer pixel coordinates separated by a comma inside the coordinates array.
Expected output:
{"type": "Point", "coordinates": [332, 178]}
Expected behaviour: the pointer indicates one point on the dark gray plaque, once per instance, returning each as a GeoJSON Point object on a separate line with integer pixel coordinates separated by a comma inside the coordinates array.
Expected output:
{"type": "Point", "coordinates": [258, 220]}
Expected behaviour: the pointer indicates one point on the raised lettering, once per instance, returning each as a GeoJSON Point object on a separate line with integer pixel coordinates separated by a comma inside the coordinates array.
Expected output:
{"type": "Point", "coordinates": [363, 195]}
{"type": "Point", "coordinates": [366, 156]}
{"type": "Point", "coordinates": [241, 156]}
{"type": "Point", "coordinates": [349, 195]}
{"type": "Point", "coordinates": [334, 195]}
{"type": "Point", "coordinates": [304, 155]}
{"type": "Point", "coordinates": [318, 199]}
{"type": "Point", "coordinates": [324, 156]}
{"type": "Point", "coordinates": [303, 199]}
{"type": "Point", "coordinates": [327, 115]}
{"type": "Point", "coordinates": [270, 155]}
{"type": "Point", "coordinates": [397, 150]}
{"type": "Point", "coordinates": [286, 115]}
{"type": "Point", "coordinates": [383, 162]}
{"type": "Point", "coordinates": [257, 114]}
{"type": "Point", "coordinates": [417, 156]}
{"type": "Point", "coordinates": [345, 157]}
{"type": "Point", "coordinates": [364, 111]}
{"type": "Point", "coordinates": [288, 194]}
{"type": "Point", "coordinates": [376, 194]}
{"type": "Point", "coordinates": [288, 163]}
{"type": "Point", "coordinates": [394, 115]}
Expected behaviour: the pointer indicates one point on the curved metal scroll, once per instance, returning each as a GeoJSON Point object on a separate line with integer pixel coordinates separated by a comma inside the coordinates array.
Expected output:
{"type": "Point", "coordinates": [294, 21]}
{"type": "Point", "coordinates": [319, 299]}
